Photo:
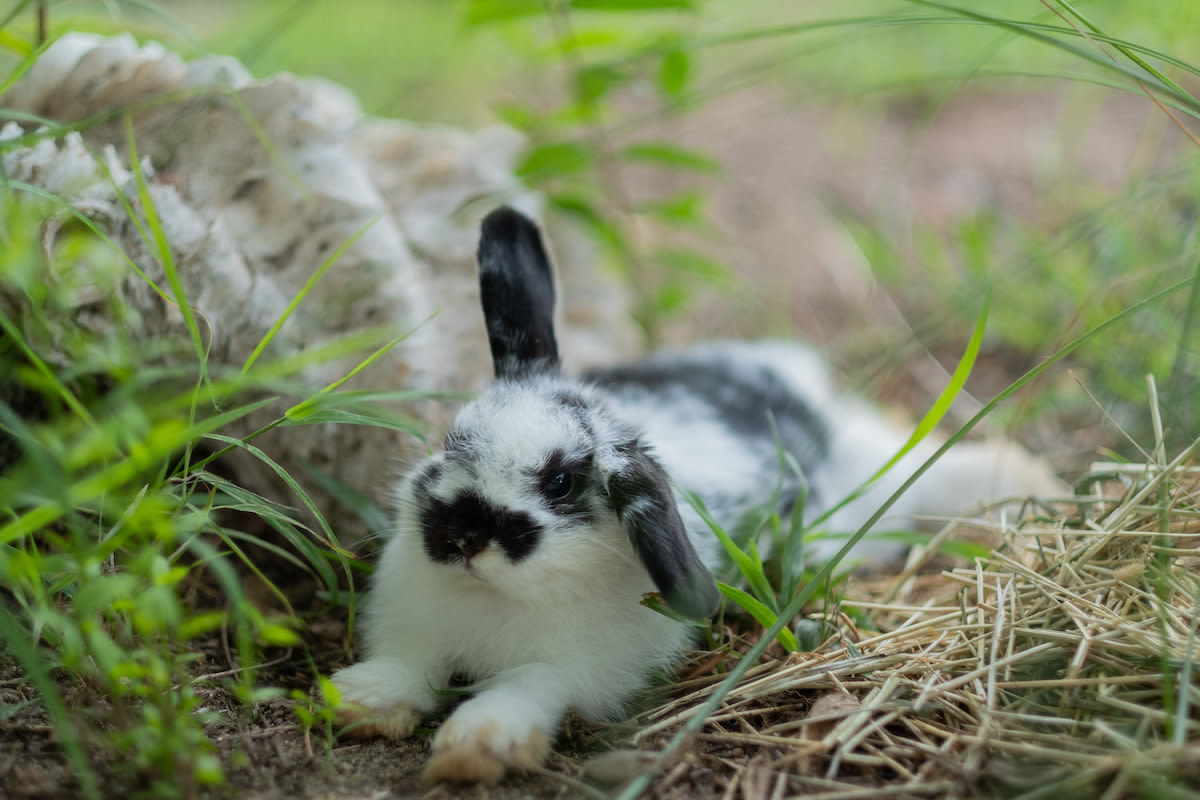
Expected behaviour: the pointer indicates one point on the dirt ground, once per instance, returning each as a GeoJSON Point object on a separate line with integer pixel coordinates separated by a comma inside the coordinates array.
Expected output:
{"type": "Point", "coordinates": [787, 167]}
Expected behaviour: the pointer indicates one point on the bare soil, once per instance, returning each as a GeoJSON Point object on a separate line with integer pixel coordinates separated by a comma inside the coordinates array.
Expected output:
{"type": "Point", "coordinates": [788, 168]}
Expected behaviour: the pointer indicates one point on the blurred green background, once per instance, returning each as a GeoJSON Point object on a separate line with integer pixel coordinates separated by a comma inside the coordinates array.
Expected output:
{"type": "Point", "coordinates": [861, 174]}
{"type": "Point", "coordinates": [950, 150]}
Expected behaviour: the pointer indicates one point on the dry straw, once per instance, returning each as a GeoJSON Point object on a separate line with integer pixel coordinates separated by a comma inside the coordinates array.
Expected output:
{"type": "Point", "coordinates": [1062, 665]}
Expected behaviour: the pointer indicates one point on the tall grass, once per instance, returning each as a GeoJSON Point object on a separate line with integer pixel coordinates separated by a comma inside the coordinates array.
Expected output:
{"type": "Point", "coordinates": [111, 515]}
{"type": "Point", "coordinates": [112, 504]}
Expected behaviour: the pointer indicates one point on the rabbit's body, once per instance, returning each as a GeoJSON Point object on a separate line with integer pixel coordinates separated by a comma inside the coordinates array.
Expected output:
{"type": "Point", "coordinates": [716, 414]}
{"type": "Point", "coordinates": [523, 550]}
{"type": "Point", "coordinates": [706, 412]}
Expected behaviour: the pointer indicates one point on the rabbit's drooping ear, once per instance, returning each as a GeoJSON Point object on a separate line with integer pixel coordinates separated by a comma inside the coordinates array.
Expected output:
{"type": "Point", "coordinates": [517, 290]}
{"type": "Point", "coordinates": [641, 496]}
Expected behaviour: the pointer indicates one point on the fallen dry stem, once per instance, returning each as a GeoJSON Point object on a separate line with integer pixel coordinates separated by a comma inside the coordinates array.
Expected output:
{"type": "Point", "coordinates": [1062, 661]}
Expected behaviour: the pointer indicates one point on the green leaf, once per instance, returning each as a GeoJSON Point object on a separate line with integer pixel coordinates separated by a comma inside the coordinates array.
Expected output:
{"type": "Point", "coordinates": [685, 260]}
{"type": "Point", "coordinates": [763, 615]}
{"type": "Point", "coordinates": [555, 160]}
{"type": "Point", "coordinates": [329, 691]}
{"type": "Point", "coordinates": [577, 41]}
{"type": "Point", "coordinates": [485, 12]}
{"type": "Point", "coordinates": [593, 83]}
{"type": "Point", "coordinates": [584, 212]}
{"type": "Point", "coordinates": [518, 115]}
{"type": "Point", "coordinates": [681, 208]}
{"type": "Point", "coordinates": [201, 623]}
{"type": "Point", "coordinates": [809, 634]}
{"type": "Point", "coordinates": [278, 635]}
{"type": "Point", "coordinates": [670, 298]}
{"type": "Point", "coordinates": [670, 155]}
{"type": "Point", "coordinates": [654, 601]}
{"type": "Point", "coordinates": [748, 563]}
{"type": "Point", "coordinates": [673, 73]}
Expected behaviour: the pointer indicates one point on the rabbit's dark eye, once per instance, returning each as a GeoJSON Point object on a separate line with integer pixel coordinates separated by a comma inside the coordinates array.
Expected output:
{"type": "Point", "coordinates": [559, 486]}
{"type": "Point", "coordinates": [561, 481]}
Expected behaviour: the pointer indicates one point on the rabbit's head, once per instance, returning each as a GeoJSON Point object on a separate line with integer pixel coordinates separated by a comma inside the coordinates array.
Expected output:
{"type": "Point", "coordinates": [539, 491]}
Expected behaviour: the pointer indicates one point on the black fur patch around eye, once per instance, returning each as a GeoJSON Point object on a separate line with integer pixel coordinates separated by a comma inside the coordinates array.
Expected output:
{"type": "Point", "coordinates": [428, 476]}
{"type": "Point", "coordinates": [461, 528]}
{"type": "Point", "coordinates": [578, 468]}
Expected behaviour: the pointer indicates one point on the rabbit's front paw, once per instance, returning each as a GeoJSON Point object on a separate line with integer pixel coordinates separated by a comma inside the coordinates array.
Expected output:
{"type": "Point", "coordinates": [482, 741]}
{"type": "Point", "coordinates": [394, 722]}
{"type": "Point", "coordinates": [374, 701]}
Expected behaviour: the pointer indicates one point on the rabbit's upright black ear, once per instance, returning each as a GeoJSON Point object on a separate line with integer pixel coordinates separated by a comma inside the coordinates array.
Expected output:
{"type": "Point", "coordinates": [516, 286]}
{"type": "Point", "coordinates": [641, 495]}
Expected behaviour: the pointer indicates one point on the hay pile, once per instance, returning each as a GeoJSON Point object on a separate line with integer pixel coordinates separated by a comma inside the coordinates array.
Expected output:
{"type": "Point", "coordinates": [1063, 665]}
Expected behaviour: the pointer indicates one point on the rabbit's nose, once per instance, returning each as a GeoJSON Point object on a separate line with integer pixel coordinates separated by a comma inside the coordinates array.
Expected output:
{"type": "Point", "coordinates": [470, 546]}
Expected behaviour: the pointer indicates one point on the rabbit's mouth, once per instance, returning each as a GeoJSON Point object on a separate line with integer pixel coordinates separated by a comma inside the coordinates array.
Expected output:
{"type": "Point", "coordinates": [473, 571]}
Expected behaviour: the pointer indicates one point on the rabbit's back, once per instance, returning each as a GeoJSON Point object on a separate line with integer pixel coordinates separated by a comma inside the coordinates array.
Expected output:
{"type": "Point", "coordinates": [716, 416]}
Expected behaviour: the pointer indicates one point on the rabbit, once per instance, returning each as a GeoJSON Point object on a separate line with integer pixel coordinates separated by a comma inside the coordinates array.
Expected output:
{"type": "Point", "coordinates": [524, 548]}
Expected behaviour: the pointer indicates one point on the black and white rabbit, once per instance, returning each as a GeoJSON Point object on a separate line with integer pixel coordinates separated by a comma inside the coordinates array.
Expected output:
{"type": "Point", "coordinates": [523, 549]}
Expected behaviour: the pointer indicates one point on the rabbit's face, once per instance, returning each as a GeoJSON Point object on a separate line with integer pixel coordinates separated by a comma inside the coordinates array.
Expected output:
{"type": "Point", "coordinates": [520, 499]}
{"type": "Point", "coordinates": [540, 494]}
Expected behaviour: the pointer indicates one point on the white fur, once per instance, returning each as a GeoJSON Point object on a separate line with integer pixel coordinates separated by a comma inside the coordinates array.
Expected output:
{"type": "Point", "coordinates": [563, 629]}
{"type": "Point", "coordinates": [543, 614]}
{"type": "Point", "coordinates": [560, 629]}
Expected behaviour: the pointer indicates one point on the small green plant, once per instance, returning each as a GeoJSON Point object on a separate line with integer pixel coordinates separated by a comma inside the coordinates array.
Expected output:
{"type": "Point", "coordinates": [581, 162]}
{"type": "Point", "coordinates": [110, 515]}
{"type": "Point", "coordinates": [315, 709]}
{"type": "Point", "coordinates": [767, 598]}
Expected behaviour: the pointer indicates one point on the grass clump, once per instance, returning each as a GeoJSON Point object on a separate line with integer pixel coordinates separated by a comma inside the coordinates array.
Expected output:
{"type": "Point", "coordinates": [1062, 664]}
{"type": "Point", "coordinates": [125, 552]}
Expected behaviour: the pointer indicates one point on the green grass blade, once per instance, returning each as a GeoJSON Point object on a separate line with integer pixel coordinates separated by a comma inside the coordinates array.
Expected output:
{"type": "Point", "coordinates": [639, 785]}
{"type": "Point", "coordinates": [13, 335]}
{"type": "Point", "coordinates": [162, 248]}
{"type": "Point", "coordinates": [344, 417]}
{"type": "Point", "coordinates": [163, 440]}
{"type": "Point", "coordinates": [304, 290]}
{"type": "Point", "coordinates": [793, 552]}
{"type": "Point", "coordinates": [748, 564]}
{"type": "Point", "coordinates": [18, 642]}
{"type": "Point", "coordinates": [330, 538]}
{"type": "Point", "coordinates": [300, 410]}
{"type": "Point", "coordinates": [932, 417]}
{"type": "Point", "coordinates": [1190, 103]}
{"type": "Point", "coordinates": [1121, 47]}
{"type": "Point", "coordinates": [377, 520]}
{"type": "Point", "coordinates": [763, 615]}
{"type": "Point", "coordinates": [292, 531]}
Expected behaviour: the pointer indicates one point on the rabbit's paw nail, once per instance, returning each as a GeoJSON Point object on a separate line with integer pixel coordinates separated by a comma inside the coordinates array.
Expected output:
{"type": "Point", "coordinates": [463, 765]}
{"type": "Point", "coordinates": [482, 754]}
{"type": "Point", "coordinates": [394, 722]}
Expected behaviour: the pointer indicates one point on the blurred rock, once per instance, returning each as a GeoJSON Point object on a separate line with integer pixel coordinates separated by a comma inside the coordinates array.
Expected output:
{"type": "Point", "coordinates": [258, 183]}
